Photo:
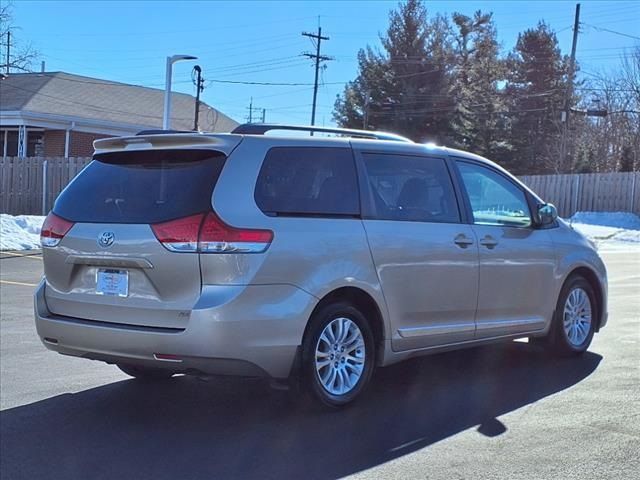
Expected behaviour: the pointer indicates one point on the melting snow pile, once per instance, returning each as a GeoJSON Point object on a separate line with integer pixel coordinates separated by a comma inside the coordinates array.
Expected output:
{"type": "Point", "coordinates": [608, 226]}
{"type": "Point", "coordinates": [21, 232]}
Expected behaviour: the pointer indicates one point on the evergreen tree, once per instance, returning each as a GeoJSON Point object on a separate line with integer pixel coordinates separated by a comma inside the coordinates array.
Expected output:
{"type": "Point", "coordinates": [626, 159]}
{"type": "Point", "coordinates": [537, 81]}
{"type": "Point", "coordinates": [585, 160]}
{"type": "Point", "coordinates": [404, 87]}
{"type": "Point", "coordinates": [478, 119]}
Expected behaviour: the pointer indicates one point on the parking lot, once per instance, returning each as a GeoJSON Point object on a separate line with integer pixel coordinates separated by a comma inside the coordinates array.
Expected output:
{"type": "Point", "coordinates": [505, 411]}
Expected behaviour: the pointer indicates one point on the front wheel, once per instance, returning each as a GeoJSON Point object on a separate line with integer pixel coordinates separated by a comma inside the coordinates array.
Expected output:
{"type": "Point", "coordinates": [575, 318]}
{"type": "Point", "coordinates": [338, 354]}
{"type": "Point", "coordinates": [145, 373]}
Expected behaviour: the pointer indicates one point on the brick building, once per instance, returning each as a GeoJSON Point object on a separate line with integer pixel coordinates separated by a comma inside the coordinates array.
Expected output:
{"type": "Point", "coordinates": [59, 114]}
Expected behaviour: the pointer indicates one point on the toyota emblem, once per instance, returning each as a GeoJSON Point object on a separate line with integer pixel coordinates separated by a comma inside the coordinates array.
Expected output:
{"type": "Point", "coordinates": [105, 239]}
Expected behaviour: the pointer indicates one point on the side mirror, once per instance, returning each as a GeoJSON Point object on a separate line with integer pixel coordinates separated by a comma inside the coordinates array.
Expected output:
{"type": "Point", "coordinates": [547, 214]}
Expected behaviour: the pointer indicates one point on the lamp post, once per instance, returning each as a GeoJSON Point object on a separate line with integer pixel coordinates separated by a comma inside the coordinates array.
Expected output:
{"type": "Point", "coordinates": [166, 119]}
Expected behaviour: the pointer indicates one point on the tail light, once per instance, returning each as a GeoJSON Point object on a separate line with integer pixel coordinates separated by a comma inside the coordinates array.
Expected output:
{"type": "Point", "coordinates": [207, 233]}
{"type": "Point", "coordinates": [53, 230]}
{"type": "Point", "coordinates": [179, 235]}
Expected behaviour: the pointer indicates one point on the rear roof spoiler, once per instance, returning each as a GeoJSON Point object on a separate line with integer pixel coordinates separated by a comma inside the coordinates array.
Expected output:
{"type": "Point", "coordinates": [223, 143]}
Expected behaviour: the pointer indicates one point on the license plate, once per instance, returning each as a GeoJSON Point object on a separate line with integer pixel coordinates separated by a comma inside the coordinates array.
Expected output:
{"type": "Point", "coordinates": [112, 282]}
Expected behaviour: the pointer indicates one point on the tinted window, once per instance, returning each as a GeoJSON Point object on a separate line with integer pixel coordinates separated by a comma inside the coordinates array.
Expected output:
{"type": "Point", "coordinates": [141, 187]}
{"type": "Point", "coordinates": [308, 181]}
{"type": "Point", "coordinates": [411, 188]}
{"type": "Point", "coordinates": [495, 200]}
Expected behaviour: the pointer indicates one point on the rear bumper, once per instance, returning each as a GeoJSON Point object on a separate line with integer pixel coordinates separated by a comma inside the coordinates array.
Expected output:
{"type": "Point", "coordinates": [255, 331]}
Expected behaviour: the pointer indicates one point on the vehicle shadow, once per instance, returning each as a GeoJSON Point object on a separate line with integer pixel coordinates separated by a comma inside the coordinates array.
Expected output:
{"type": "Point", "coordinates": [230, 428]}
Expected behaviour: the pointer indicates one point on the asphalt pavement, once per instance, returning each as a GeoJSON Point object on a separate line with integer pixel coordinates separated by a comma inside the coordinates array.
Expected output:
{"type": "Point", "coordinates": [499, 412]}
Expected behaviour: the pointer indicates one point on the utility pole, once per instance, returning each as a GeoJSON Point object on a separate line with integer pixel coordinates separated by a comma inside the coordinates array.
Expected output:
{"type": "Point", "coordinates": [569, 92]}
{"type": "Point", "coordinates": [260, 114]}
{"type": "Point", "coordinates": [8, 49]}
{"type": "Point", "coordinates": [199, 83]}
{"type": "Point", "coordinates": [318, 58]}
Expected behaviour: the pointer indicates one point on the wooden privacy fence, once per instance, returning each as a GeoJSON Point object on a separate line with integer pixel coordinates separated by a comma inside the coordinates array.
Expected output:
{"type": "Point", "coordinates": [23, 192]}
{"type": "Point", "coordinates": [588, 192]}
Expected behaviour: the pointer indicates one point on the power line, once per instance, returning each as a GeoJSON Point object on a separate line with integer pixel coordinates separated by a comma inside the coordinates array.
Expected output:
{"type": "Point", "coordinates": [208, 29]}
{"type": "Point", "coordinates": [272, 84]}
{"type": "Point", "coordinates": [248, 44]}
{"type": "Point", "coordinates": [611, 31]}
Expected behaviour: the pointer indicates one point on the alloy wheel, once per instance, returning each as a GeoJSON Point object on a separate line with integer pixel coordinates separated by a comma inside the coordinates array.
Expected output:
{"type": "Point", "coordinates": [577, 316]}
{"type": "Point", "coordinates": [340, 356]}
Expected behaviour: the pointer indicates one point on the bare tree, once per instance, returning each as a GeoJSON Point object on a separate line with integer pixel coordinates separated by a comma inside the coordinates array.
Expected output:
{"type": "Point", "coordinates": [631, 74]}
{"type": "Point", "coordinates": [631, 83]}
{"type": "Point", "coordinates": [610, 143]}
{"type": "Point", "coordinates": [21, 55]}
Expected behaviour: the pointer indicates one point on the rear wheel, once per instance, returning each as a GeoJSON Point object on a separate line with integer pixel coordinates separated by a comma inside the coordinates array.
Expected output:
{"type": "Point", "coordinates": [338, 354]}
{"type": "Point", "coordinates": [145, 373]}
{"type": "Point", "coordinates": [575, 318]}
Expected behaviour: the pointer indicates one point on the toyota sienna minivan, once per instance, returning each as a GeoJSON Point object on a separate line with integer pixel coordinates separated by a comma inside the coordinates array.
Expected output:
{"type": "Point", "coordinates": [317, 258]}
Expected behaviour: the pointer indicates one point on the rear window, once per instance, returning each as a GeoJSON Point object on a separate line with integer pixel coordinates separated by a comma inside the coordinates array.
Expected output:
{"type": "Point", "coordinates": [142, 187]}
{"type": "Point", "coordinates": [308, 181]}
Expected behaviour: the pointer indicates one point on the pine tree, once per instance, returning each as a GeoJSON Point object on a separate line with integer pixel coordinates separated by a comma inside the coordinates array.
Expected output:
{"type": "Point", "coordinates": [478, 119]}
{"type": "Point", "coordinates": [537, 81]}
{"type": "Point", "coordinates": [404, 87]}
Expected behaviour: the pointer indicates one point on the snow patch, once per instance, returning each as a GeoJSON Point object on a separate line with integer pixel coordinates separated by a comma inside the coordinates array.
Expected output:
{"type": "Point", "coordinates": [20, 232]}
{"type": "Point", "coordinates": [607, 227]}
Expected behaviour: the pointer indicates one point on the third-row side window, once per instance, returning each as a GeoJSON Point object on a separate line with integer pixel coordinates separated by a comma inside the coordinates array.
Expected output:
{"type": "Point", "coordinates": [411, 188]}
{"type": "Point", "coordinates": [308, 181]}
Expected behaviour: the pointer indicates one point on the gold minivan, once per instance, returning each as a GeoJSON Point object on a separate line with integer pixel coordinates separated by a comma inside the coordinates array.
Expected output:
{"type": "Point", "coordinates": [317, 258]}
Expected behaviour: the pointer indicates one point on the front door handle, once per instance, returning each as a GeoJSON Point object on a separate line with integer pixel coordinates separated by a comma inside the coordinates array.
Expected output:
{"type": "Point", "coordinates": [462, 240]}
{"type": "Point", "coordinates": [489, 242]}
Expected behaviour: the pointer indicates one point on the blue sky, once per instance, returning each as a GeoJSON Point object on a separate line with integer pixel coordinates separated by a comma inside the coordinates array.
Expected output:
{"type": "Point", "coordinates": [262, 42]}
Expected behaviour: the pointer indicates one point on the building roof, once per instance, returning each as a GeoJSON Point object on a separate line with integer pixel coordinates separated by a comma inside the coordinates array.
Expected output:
{"type": "Point", "coordinates": [62, 94]}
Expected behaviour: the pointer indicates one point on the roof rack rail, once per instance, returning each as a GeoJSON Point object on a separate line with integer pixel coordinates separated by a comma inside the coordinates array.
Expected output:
{"type": "Point", "coordinates": [162, 132]}
{"type": "Point", "coordinates": [262, 128]}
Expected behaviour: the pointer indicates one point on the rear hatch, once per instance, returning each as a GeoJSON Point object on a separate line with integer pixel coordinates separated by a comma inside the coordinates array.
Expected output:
{"type": "Point", "coordinates": [129, 253]}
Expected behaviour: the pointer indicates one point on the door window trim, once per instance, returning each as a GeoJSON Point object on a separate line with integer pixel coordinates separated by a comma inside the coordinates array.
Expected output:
{"type": "Point", "coordinates": [367, 208]}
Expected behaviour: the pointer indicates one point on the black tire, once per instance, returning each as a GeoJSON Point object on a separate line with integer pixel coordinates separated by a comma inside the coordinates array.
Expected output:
{"type": "Point", "coordinates": [558, 339]}
{"type": "Point", "coordinates": [310, 377]}
{"type": "Point", "coordinates": [145, 373]}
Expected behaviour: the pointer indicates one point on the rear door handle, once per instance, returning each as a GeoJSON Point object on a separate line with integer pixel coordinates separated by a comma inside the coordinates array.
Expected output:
{"type": "Point", "coordinates": [489, 242]}
{"type": "Point", "coordinates": [462, 240]}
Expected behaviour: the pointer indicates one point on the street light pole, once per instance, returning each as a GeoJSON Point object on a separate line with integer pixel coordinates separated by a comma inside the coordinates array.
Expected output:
{"type": "Point", "coordinates": [166, 119]}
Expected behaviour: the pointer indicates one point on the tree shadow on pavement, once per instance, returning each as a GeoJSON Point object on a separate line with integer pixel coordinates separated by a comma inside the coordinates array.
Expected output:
{"type": "Point", "coordinates": [233, 428]}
